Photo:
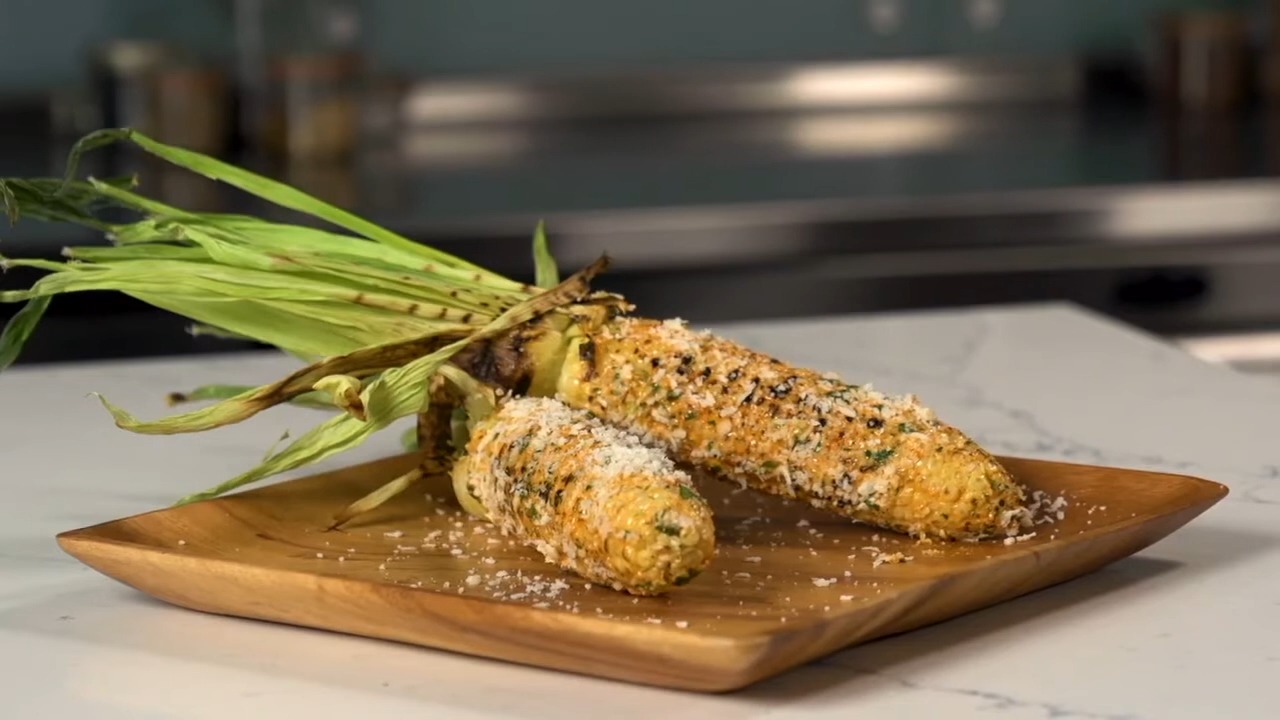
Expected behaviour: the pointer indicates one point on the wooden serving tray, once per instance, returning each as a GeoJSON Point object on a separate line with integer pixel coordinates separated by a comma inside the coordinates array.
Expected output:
{"type": "Point", "coordinates": [789, 584]}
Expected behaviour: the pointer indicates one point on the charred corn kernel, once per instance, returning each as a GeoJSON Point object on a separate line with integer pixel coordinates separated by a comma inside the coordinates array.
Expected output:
{"type": "Point", "coordinates": [591, 498]}
{"type": "Point", "coordinates": [884, 460]}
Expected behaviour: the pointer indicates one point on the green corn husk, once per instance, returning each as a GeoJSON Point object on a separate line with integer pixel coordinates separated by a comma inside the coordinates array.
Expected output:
{"type": "Point", "coordinates": [372, 314]}
{"type": "Point", "coordinates": [314, 400]}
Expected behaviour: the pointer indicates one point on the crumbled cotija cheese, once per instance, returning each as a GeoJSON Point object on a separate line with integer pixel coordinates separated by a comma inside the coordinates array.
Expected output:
{"type": "Point", "coordinates": [893, 558]}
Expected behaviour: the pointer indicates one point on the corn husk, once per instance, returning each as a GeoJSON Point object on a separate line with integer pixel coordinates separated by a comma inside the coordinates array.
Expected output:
{"type": "Point", "coordinates": [373, 314]}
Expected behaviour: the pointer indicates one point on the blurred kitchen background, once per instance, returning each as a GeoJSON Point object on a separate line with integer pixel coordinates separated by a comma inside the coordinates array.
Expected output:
{"type": "Point", "coordinates": [739, 160]}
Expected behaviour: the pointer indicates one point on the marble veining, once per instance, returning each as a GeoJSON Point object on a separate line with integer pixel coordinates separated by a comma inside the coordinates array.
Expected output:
{"type": "Point", "coordinates": [987, 701]}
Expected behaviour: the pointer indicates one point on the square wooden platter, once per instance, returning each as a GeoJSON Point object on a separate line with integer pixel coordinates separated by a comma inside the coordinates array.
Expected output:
{"type": "Point", "coordinates": [789, 584]}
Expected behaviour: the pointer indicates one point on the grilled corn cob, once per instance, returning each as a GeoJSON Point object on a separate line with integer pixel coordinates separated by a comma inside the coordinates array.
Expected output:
{"type": "Point", "coordinates": [590, 498]}
{"type": "Point", "coordinates": [884, 460]}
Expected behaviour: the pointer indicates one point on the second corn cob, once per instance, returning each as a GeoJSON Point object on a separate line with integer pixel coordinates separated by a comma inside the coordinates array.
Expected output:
{"type": "Point", "coordinates": [590, 498]}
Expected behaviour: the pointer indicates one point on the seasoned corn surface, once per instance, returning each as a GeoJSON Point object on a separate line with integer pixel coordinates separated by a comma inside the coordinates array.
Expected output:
{"type": "Point", "coordinates": [881, 459]}
{"type": "Point", "coordinates": [591, 498]}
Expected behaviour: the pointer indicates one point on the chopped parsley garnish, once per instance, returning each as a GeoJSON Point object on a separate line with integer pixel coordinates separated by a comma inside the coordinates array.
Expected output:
{"type": "Point", "coordinates": [907, 427]}
{"type": "Point", "coordinates": [665, 526]}
{"type": "Point", "coordinates": [686, 578]}
{"type": "Point", "coordinates": [667, 529]}
{"type": "Point", "coordinates": [689, 493]}
{"type": "Point", "coordinates": [879, 456]}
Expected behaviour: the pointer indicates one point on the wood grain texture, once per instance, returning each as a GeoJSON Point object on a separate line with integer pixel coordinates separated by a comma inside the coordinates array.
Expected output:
{"type": "Point", "coordinates": [789, 584]}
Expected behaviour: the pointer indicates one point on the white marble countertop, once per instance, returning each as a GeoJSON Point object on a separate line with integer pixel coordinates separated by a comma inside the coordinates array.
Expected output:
{"type": "Point", "coordinates": [1189, 628]}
